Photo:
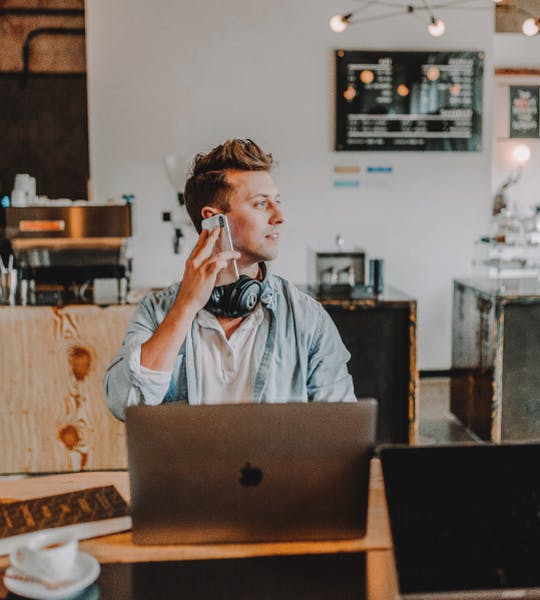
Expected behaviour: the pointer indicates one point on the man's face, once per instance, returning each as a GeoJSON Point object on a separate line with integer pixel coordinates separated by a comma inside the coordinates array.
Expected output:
{"type": "Point", "coordinates": [254, 216]}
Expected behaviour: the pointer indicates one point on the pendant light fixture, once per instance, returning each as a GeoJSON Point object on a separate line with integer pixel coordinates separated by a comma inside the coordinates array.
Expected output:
{"type": "Point", "coordinates": [376, 10]}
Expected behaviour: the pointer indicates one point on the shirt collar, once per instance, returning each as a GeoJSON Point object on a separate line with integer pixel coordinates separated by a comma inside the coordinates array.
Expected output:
{"type": "Point", "coordinates": [206, 319]}
{"type": "Point", "coordinates": [268, 295]}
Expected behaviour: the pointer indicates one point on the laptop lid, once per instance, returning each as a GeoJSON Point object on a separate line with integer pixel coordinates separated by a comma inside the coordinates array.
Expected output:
{"type": "Point", "coordinates": [465, 519]}
{"type": "Point", "coordinates": [247, 473]}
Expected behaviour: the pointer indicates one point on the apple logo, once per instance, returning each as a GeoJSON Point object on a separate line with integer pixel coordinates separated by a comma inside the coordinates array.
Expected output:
{"type": "Point", "coordinates": [251, 476]}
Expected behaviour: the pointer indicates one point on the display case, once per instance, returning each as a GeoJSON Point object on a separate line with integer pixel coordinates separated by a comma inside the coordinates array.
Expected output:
{"type": "Point", "coordinates": [512, 248]}
{"type": "Point", "coordinates": [498, 259]}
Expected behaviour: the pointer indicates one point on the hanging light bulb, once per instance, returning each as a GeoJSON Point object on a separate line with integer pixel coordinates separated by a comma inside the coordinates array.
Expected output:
{"type": "Point", "coordinates": [530, 26]}
{"type": "Point", "coordinates": [521, 154]}
{"type": "Point", "coordinates": [436, 27]}
{"type": "Point", "coordinates": [339, 23]}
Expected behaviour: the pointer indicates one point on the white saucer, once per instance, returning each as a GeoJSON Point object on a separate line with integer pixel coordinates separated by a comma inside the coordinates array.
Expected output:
{"type": "Point", "coordinates": [86, 571]}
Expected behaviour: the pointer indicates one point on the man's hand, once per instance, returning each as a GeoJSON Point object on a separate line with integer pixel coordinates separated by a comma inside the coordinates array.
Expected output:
{"type": "Point", "coordinates": [160, 351]}
{"type": "Point", "coordinates": [201, 271]}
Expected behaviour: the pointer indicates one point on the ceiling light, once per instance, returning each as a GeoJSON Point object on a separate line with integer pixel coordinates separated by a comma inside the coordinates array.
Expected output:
{"type": "Point", "coordinates": [530, 26]}
{"type": "Point", "coordinates": [521, 154]}
{"type": "Point", "coordinates": [436, 27]}
{"type": "Point", "coordinates": [339, 23]}
{"type": "Point", "coordinates": [377, 10]}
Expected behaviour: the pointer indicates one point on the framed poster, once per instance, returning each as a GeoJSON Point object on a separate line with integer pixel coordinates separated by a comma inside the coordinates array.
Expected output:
{"type": "Point", "coordinates": [524, 111]}
{"type": "Point", "coordinates": [403, 101]}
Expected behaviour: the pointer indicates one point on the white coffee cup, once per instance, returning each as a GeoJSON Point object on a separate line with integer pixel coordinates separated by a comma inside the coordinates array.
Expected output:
{"type": "Point", "coordinates": [18, 197]}
{"type": "Point", "coordinates": [48, 555]}
{"type": "Point", "coordinates": [8, 287]}
{"type": "Point", "coordinates": [21, 181]}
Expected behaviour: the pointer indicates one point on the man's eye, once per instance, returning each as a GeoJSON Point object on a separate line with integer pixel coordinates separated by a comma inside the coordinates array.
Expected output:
{"type": "Point", "coordinates": [262, 203]}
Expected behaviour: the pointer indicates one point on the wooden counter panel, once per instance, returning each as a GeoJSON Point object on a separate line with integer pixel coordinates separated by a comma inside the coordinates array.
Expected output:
{"type": "Point", "coordinates": [53, 415]}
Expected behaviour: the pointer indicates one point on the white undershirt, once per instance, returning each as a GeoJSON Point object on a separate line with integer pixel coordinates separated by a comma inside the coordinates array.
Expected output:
{"type": "Point", "coordinates": [229, 364]}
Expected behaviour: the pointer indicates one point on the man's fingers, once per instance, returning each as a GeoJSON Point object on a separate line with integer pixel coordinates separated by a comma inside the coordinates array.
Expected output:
{"type": "Point", "coordinates": [229, 255]}
{"type": "Point", "coordinates": [221, 260]}
{"type": "Point", "coordinates": [205, 247]}
{"type": "Point", "coordinates": [200, 242]}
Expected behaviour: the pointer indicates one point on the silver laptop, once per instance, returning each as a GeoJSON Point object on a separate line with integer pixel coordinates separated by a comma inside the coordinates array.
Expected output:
{"type": "Point", "coordinates": [249, 473]}
{"type": "Point", "coordinates": [465, 520]}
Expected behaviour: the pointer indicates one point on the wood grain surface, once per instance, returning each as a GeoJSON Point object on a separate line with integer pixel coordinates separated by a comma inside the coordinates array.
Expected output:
{"type": "Point", "coordinates": [53, 415]}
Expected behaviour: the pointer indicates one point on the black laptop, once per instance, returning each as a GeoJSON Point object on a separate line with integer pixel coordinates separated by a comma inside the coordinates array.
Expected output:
{"type": "Point", "coordinates": [465, 519]}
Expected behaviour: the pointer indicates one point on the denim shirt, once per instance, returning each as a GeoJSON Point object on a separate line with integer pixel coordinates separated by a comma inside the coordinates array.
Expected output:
{"type": "Point", "coordinates": [303, 358]}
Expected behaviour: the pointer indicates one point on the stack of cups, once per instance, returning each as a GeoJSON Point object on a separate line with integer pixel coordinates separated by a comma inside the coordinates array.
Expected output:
{"type": "Point", "coordinates": [8, 282]}
{"type": "Point", "coordinates": [24, 190]}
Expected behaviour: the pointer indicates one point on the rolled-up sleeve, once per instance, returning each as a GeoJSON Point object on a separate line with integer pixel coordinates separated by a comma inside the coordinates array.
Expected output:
{"type": "Point", "coordinates": [328, 377]}
{"type": "Point", "coordinates": [127, 382]}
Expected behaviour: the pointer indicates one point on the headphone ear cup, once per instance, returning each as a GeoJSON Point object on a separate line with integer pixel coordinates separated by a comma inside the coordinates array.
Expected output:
{"type": "Point", "coordinates": [243, 296]}
{"type": "Point", "coordinates": [215, 302]}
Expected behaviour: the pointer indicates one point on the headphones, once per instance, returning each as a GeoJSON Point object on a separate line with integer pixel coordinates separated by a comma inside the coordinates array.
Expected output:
{"type": "Point", "coordinates": [235, 299]}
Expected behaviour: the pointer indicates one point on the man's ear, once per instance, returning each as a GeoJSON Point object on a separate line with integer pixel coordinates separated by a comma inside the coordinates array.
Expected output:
{"type": "Point", "coordinates": [209, 211]}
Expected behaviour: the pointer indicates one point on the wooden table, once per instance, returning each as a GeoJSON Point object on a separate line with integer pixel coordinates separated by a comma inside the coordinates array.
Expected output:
{"type": "Point", "coordinates": [118, 548]}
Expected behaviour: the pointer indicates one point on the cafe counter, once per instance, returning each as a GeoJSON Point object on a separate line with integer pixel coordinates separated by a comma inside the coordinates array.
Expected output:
{"type": "Point", "coordinates": [53, 415]}
{"type": "Point", "coordinates": [495, 357]}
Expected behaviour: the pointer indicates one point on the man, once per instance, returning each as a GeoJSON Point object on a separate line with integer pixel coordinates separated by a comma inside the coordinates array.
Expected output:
{"type": "Point", "coordinates": [178, 347]}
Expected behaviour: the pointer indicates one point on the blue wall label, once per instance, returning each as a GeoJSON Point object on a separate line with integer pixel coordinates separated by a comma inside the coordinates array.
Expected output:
{"type": "Point", "coordinates": [353, 183]}
{"type": "Point", "coordinates": [380, 169]}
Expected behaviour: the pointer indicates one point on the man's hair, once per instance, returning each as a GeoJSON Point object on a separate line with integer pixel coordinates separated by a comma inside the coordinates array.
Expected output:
{"type": "Point", "coordinates": [207, 183]}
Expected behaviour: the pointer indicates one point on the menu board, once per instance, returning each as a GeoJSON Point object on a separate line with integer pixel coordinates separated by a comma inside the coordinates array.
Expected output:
{"type": "Point", "coordinates": [524, 111]}
{"type": "Point", "coordinates": [403, 101]}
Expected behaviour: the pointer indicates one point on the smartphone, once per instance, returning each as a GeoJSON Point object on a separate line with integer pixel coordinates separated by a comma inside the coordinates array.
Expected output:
{"type": "Point", "coordinates": [224, 241]}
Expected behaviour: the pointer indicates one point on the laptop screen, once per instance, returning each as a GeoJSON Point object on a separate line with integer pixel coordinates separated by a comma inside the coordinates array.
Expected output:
{"type": "Point", "coordinates": [464, 517]}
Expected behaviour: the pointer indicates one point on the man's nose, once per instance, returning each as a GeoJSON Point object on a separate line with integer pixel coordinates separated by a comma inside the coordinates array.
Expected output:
{"type": "Point", "coordinates": [277, 215]}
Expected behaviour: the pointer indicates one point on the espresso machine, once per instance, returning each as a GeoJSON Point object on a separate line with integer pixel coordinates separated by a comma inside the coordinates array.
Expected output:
{"type": "Point", "coordinates": [62, 250]}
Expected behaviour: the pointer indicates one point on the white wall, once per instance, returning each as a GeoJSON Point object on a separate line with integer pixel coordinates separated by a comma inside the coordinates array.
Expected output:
{"type": "Point", "coordinates": [180, 77]}
{"type": "Point", "coordinates": [514, 50]}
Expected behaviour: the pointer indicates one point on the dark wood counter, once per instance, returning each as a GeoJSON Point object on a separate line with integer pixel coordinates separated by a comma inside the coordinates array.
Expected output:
{"type": "Point", "coordinates": [380, 333]}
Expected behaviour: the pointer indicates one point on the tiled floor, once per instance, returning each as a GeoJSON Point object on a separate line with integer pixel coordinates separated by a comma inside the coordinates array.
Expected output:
{"type": "Point", "coordinates": [437, 424]}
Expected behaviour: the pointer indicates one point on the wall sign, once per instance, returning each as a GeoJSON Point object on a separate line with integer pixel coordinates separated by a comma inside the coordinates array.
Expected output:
{"type": "Point", "coordinates": [408, 100]}
{"type": "Point", "coordinates": [524, 111]}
